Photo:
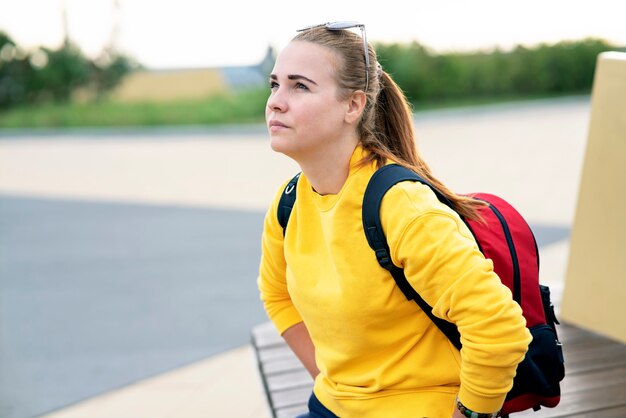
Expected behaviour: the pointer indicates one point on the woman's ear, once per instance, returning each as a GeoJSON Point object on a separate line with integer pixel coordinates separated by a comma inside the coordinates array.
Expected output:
{"type": "Point", "coordinates": [356, 104]}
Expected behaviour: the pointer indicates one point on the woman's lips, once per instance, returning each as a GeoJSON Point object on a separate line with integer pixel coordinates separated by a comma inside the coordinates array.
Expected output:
{"type": "Point", "coordinates": [276, 126]}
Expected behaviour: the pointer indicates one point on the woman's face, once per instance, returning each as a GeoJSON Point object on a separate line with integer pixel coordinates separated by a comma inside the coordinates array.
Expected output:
{"type": "Point", "coordinates": [303, 112]}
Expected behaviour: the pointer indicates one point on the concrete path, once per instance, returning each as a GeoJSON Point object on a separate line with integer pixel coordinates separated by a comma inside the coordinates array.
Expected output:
{"type": "Point", "coordinates": [128, 261]}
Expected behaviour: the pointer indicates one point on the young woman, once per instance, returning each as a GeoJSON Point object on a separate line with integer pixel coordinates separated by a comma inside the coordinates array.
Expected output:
{"type": "Point", "coordinates": [372, 353]}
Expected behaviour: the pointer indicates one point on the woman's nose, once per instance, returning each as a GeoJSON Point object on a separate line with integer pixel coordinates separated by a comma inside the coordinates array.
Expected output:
{"type": "Point", "coordinates": [276, 102]}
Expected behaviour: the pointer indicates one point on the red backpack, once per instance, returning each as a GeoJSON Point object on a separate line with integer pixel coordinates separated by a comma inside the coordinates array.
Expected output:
{"type": "Point", "coordinates": [508, 241]}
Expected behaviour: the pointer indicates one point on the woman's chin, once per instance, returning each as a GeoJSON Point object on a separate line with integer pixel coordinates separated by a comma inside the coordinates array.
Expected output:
{"type": "Point", "coordinates": [284, 147]}
{"type": "Point", "coordinates": [279, 144]}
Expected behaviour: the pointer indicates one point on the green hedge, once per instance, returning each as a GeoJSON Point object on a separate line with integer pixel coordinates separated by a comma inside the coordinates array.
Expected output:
{"type": "Point", "coordinates": [545, 70]}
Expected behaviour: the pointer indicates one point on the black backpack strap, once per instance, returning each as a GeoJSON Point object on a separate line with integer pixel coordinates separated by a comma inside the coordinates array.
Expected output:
{"type": "Point", "coordinates": [287, 200]}
{"type": "Point", "coordinates": [385, 178]}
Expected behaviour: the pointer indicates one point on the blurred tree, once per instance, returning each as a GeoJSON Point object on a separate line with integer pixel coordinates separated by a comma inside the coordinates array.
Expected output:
{"type": "Point", "coordinates": [410, 66]}
{"type": "Point", "coordinates": [54, 74]}
{"type": "Point", "coordinates": [108, 70]}
{"type": "Point", "coordinates": [64, 70]}
{"type": "Point", "coordinates": [12, 72]}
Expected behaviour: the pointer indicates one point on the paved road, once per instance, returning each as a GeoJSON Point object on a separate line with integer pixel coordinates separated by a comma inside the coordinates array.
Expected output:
{"type": "Point", "coordinates": [94, 296]}
{"type": "Point", "coordinates": [104, 284]}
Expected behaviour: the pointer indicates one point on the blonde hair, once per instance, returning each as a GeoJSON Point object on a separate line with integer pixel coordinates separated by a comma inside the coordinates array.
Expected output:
{"type": "Point", "coordinates": [386, 126]}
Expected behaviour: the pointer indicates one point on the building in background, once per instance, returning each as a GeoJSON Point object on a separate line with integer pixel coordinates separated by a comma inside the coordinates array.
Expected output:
{"type": "Point", "coordinates": [192, 84]}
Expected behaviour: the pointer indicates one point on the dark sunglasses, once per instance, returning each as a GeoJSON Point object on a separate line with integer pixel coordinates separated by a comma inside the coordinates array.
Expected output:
{"type": "Point", "coordinates": [348, 25]}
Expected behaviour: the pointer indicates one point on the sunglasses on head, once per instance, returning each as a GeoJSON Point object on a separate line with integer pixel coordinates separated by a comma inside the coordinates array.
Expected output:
{"type": "Point", "coordinates": [348, 25]}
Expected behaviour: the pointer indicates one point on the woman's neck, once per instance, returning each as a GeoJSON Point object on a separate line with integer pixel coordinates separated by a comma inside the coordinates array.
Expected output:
{"type": "Point", "coordinates": [328, 171]}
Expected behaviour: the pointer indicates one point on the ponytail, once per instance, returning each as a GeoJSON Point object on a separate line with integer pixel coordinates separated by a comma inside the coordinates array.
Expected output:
{"type": "Point", "coordinates": [393, 138]}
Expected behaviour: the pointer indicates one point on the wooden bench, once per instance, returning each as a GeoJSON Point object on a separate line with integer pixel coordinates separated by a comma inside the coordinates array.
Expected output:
{"type": "Point", "coordinates": [286, 382]}
{"type": "Point", "coordinates": [594, 384]}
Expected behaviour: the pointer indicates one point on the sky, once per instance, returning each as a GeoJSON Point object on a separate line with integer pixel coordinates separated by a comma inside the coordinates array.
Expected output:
{"type": "Point", "coordinates": [164, 34]}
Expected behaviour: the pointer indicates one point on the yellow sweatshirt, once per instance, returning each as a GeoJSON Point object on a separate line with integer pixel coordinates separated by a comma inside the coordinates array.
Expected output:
{"type": "Point", "coordinates": [379, 355]}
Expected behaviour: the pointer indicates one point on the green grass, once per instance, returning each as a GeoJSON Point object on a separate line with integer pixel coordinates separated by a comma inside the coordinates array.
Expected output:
{"type": "Point", "coordinates": [244, 107]}
{"type": "Point", "coordinates": [241, 108]}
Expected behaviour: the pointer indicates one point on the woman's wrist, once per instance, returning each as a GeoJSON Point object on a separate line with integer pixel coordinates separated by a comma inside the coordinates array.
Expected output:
{"type": "Point", "coordinates": [457, 414]}
{"type": "Point", "coordinates": [466, 412]}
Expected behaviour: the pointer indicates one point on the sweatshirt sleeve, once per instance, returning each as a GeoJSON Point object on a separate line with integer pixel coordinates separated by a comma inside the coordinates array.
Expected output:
{"type": "Point", "coordinates": [272, 281]}
{"type": "Point", "coordinates": [442, 262]}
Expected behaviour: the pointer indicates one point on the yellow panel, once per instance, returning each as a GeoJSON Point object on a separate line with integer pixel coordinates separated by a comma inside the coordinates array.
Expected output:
{"type": "Point", "coordinates": [595, 287]}
{"type": "Point", "coordinates": [171, 85]}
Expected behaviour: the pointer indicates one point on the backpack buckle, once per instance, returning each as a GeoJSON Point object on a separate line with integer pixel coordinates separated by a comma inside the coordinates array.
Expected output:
{"type": "Point", "coordinates": [382, 255]}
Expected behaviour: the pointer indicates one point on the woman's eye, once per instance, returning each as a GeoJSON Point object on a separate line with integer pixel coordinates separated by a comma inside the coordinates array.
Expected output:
{"type": "Point", "coordinates": [301, 86]}
{"type": "Point", "coordinates": [273, 85]}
